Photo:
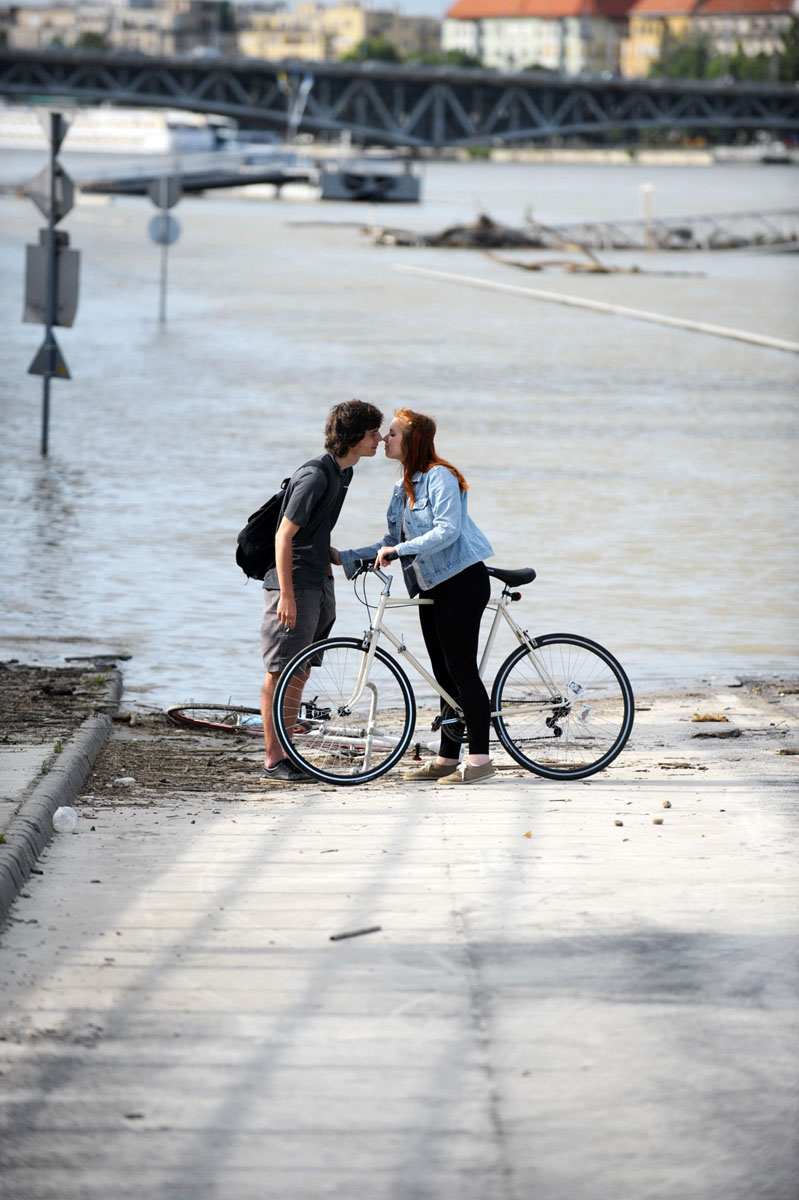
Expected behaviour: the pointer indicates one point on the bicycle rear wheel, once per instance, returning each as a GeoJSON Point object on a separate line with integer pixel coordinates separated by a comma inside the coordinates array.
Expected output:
{"type": "Point", "coordinates": [220, 718]}
{"type": "Point", "coordinates": [563, 710]}
{"type": "Point", "coordinates": [334, 728]}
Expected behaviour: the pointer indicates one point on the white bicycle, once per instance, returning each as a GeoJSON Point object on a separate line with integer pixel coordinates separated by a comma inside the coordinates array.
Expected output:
{"type": "Point", "coordinates": [345, 711]}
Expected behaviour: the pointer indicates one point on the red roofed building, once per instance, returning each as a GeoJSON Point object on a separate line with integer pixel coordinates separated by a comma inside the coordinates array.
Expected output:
{"type": "Point", "coordinates": [568, 36]}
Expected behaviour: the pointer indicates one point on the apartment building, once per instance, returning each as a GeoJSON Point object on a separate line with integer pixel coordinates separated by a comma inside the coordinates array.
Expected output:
{"type": "Point", "coordinates": [312, 31]}
{"type": "Point", "coordinates": [268, 30]}
{"type": "Point", "coordinates": [57, 25]}
{"type": "Point", "coordinates": [143, 26]}
{"type": "Point", "coordinates": [568, 36]}
{"type": "Point", "coordinates": [650, 21]}
{"type": "Point", "coordinates": [754, 26]}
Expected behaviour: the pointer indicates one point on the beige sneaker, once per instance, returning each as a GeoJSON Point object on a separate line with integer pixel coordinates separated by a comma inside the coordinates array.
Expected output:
{"type": "Point", "coordinates": [466, 773]}
{"type": "Point", "coordinates": [432, 770]}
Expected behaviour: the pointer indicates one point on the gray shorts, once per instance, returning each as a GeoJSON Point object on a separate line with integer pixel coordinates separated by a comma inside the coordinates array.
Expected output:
{"type": "Point", "coordinates": [316, 612]}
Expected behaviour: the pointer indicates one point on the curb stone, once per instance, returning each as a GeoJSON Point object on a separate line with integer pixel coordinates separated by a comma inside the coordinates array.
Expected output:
{"type": "Point", "coordinates": [32, 827]}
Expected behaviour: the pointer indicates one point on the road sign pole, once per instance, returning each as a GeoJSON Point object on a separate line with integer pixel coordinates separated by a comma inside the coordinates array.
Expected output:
{"type": "Point", "coordinates": [164, 253]}
{"type": "Point", "coordinates": [164, 229]}
{"type": "Point", "coordinates": [46, 391]}
{"type": "Point", "coordinates": [50, 314]}
{"type": "Point", "coordinates": [163, 205]}
{"type": "Point", "coordinates": [51, 270]}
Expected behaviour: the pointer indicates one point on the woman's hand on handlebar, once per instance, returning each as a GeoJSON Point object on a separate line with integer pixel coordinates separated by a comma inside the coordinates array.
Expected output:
{"type": "Point", "coordinates": [385, 555]}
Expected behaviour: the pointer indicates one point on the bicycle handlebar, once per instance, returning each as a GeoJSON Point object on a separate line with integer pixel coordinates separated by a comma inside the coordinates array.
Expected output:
{"type": "Point", "coordinates": [368, 564]}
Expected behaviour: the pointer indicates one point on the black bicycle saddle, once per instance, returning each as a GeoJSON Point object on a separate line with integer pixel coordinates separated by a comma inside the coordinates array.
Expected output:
{"type": "Point", "coordinates": [513, 578]}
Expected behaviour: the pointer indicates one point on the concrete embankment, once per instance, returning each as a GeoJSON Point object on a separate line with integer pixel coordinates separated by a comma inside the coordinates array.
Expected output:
{"type": "Point", "coordinates": [39, 774]}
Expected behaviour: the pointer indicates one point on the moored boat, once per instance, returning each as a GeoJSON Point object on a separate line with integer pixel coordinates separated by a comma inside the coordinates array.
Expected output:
{"type": "Point", "coordinates": [384, 180]}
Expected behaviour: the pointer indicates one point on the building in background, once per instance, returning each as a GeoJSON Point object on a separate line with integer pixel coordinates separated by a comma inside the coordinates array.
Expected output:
{"type": "Point", "coordinates": [281, 34]}
{"type": "Point", "coordinates": [650, 21]}
{"type": "Point", "coordinates": [142, 26]}
{"type": "Point", "coordinates": [725, 27]}
{"type": "Point", "coordinates": [568, 36]}
{"type": "Point", "coordinates": [313, 31]}
{"type": "Point", "coordinates": [751, 26]}
{"type": "Point", "coordinates": [35, 27]}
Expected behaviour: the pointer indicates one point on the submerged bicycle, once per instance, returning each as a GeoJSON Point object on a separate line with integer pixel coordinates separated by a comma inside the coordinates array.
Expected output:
{"type": "Point", "coordinates": [345, 711]}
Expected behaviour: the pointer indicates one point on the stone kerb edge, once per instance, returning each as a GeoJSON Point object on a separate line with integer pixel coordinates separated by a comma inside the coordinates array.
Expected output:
{"type": "Point", "coordinates": [32, 827]}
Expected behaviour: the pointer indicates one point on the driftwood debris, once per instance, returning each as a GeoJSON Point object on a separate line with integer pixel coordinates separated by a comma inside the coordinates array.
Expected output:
{"type": "Point", "coordinates": [589, 266]}
{"type": "Point", "coordinates": [489, 236]}
{"type": "Point", "coordinates": [484, 234]}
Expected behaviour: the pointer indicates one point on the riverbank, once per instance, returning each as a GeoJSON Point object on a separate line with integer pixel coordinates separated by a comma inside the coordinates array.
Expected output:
{"type": "Point", "coordinates": [397, 992]}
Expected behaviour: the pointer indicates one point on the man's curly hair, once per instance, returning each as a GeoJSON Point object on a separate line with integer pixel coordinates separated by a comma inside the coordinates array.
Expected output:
{"type": "Point", "coordinates": [347, 423]}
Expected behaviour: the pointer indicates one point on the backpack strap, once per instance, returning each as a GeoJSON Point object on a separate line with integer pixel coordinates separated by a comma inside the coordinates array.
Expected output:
{"type": "Point", "coordinates": [332, 496]}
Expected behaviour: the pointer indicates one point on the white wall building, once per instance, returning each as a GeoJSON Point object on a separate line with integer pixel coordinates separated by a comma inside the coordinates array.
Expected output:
{"type": "Point", "coordinates": [567, 36]}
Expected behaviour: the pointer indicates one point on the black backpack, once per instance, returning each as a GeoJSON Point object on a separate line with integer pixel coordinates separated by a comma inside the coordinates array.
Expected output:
{"type": "Point", "coordinates": [255, 545]}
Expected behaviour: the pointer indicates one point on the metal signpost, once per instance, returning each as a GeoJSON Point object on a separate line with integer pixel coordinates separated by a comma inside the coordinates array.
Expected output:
{"type": "Point", "coordinates": [164, 229]}
{"type": "Point", "coordinates": [51, 270]}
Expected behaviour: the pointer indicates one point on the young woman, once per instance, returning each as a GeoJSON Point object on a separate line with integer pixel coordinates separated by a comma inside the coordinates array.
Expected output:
{"type": "Point", "coordinates": [441, 551]}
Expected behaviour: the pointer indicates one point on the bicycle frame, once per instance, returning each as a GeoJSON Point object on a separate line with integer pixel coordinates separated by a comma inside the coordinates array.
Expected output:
{"type": "Point", "coordinates": [377, 627]}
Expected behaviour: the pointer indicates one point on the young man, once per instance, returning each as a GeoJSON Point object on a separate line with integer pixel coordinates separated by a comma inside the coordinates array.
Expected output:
{"type": "Point", "coordinates": [299, 601]}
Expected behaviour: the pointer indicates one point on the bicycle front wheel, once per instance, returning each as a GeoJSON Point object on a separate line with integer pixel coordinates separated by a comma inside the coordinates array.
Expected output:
{"type": "Point", "coordinates": [564, 709]}
{"type": "Point", "coordinates": [221, 718]}
{"type": "Point", "coordinates": [337, 723]}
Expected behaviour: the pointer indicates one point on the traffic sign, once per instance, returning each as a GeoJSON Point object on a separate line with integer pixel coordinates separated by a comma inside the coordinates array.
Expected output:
{"type": "Point", "coordinates": [39, 364]}
{"type": "Point", "coordinates": [165, 192]}
{"type": "Point", "coordinates": [66, 299]}
{"type": "Point", "coordinates": [164, 229]}
{"type": "Point", "coordinates": [67, 268]}
{"type": "Point", "coordinates": [56, 126]}
{"type": "Point", "coordinates": [39, 191]}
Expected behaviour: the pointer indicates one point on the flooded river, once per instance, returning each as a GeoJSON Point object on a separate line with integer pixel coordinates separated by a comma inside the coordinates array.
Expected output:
{"type": "Point", "coordinates": [648, 473]}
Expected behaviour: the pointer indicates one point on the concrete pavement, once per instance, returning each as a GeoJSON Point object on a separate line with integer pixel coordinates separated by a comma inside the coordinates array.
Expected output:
{"type": "Point", "coordinates": [564, 999]}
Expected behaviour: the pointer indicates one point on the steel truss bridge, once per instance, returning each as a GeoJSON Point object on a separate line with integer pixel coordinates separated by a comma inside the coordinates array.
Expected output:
{"type": "Point", "coordinates": [399, 105]}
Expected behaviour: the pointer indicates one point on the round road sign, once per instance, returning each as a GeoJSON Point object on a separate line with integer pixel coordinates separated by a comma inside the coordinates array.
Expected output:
{"type": "Point", "coordinates": [164, 229]}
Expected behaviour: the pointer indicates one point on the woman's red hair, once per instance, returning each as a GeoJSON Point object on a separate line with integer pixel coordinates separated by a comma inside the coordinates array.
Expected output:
{"type": "Point", "coordinates": [418, 449]}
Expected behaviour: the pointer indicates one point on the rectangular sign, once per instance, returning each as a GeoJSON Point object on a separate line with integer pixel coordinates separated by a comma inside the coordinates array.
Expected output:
{"type": "Point", "coordinates": [67, 266]}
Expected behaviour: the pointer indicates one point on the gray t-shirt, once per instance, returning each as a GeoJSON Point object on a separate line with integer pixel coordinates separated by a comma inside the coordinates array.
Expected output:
{"type": "Point", "coordinates": [309, 494]}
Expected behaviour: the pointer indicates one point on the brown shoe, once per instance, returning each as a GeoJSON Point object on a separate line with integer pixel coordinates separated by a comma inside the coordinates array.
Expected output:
{"type": "Point", "coordinates": [467, 773]}
{"type": "Point", "coordinates": [433, 770]}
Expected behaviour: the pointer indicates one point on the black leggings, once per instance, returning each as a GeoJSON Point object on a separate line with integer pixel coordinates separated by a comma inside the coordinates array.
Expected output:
{"type": "Point", "coordinates": [451, 630]}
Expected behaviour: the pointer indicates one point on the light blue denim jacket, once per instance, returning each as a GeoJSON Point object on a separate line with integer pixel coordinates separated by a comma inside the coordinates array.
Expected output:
{"type": "Point", "coordinates": [441, 536]}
